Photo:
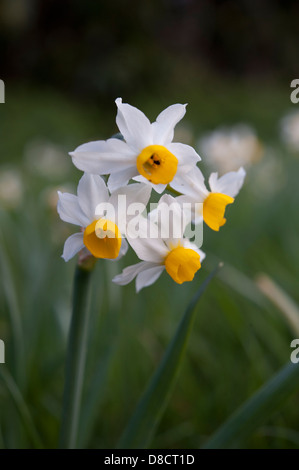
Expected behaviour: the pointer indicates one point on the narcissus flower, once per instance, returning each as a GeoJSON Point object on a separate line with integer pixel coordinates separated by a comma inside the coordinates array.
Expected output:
{"type": "Point", "coordinates": [161, 245]}
{"type": "Point", "coordinates": [214, 202]}
{"type": "Point", "coordinates": [147, 153]}
{"type": "Point", "coordinates": [102, 228]}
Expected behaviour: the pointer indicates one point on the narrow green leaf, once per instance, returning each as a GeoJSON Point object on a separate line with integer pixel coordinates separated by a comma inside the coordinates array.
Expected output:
{"type": "Point", "coordinates": [279, 297]}
{"type": "Point", "coordinates": [149, 410]}
{"type": "Point", "coordinates": [93, 399]}
{"type": "Point", "coordinates": [21, 407]}
{"type": "Point", "coordinates": [257, 409]}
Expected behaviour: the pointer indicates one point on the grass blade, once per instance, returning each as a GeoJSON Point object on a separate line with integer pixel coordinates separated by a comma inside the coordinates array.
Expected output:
{"type": "Point", "coordinates": [257, 409]}
{"type": "Point", "coordinates": [280, 299]}
{"type": "Point", "coordinates": [149, 410]}
{"type": "Point", "coordinates": [93, 400]}
{"type": "Point", "coordinates": [21, 407]}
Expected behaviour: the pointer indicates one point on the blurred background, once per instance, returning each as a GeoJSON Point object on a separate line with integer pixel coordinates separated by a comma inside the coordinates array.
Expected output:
{"type": "Point", "coordinates": [64, 64]}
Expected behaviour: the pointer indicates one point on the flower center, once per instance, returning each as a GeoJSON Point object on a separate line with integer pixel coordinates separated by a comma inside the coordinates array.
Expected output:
{"type": "Point", "coordinates": [182, 263]}
{"type": "Point", "coordinates": [213, 209]}
{"type": "Point", "coordinates": [103, 239]}
{"type": "Point", "coordinates": [157, 164]}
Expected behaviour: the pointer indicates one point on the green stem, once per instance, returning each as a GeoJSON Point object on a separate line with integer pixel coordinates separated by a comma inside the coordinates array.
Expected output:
{"type": "Point", "coordinates": [173, 191]}
{"type": "Point", "coordinates": [75, 361]}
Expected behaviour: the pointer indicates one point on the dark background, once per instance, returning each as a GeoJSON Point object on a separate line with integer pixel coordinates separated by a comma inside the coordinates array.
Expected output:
{"type": "Point", "coordinates": [98, 50]}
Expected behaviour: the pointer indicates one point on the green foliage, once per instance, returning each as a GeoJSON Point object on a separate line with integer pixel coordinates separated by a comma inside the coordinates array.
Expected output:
{"type": "Point", "coordinates": [239, 341]}
{"type": "Point", "coordinates": [149, 410]}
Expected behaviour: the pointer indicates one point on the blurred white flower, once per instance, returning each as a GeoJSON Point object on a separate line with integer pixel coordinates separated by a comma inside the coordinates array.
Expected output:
{"type": "Point", "coordinates": [289, 127]}
{"type": "Point", "coordinates": [229, 148]}
{"type": "Point", "coordinates": [173, 252]}
{"type": "Point", "coordinates": [11, 188]}
{"type": "Point", "coordinates": [47, 159]}
{"type": "Point", "coordinates": [147, 155]}
{"type": "Point", "coordinates": [272, 168]}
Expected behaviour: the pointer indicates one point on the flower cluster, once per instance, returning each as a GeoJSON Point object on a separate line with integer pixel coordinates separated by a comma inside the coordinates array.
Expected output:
{"type": "Point", "coordinates": [106, 211]}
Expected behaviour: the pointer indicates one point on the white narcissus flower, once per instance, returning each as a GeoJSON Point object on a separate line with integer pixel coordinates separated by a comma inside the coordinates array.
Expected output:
{"type": "Point", "coordinates": [147, 155]}
{"type": "Point", "coordinates": [100, 235]}
{"type": "Point", "coordinates": [161, 249]}
{"type": "Point", "coordinates": [214, 202]}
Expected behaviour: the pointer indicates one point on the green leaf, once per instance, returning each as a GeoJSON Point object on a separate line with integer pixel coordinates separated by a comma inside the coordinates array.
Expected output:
{"type": "Point", "coordinates": [257, 409]}
{"type": "Point", "coordinates": [93, 400]}
{"type": "Point", "coordinates": [149, 410]}
{"type": "Point", "coordinates": [21, 407]}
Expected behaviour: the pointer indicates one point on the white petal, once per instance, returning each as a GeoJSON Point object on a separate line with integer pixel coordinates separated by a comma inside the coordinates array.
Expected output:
{"type": "Point", "coordinates": [185, 154]}
{"type": "Point", "coordinates": [191, 184]}
{"type": "Point", "coordinates": [104, 156]}
{"type": "Point", "coordinates": [163, 128]}
{"type": "Point", "coordinates": [72, 246]}
{"type": "Point", "coordinates": [69, 210]}
{"type": "Point", "coordinates": [192, 206]}
{"type": "Point", "coordinates": [171, 219]}
{"type": "Point", "coordinates": [159, 188]}
{"type": "Point", "coordinates": [147, 249]}
{"type": "Point", "coordinates": [182, 200]}
{"type": "Point", "coordinates": [96, 146]}
{"type": "Point", "coordinates": [136, 192]}
{"type": "Point", "coordinates": [148, 276]}
{"type": "Point", "coordinates": [130, 201]}
{"type": "Point", "coordinates": [133, 125]}
{"type": "Point", "coordinates": [198, 219]}
{"type": "Point", "coordinates": [91, 191]}
{"type": "Point", "coordinates": [146, 242]}
{"type": "Point", "coordinates": [130, 272]}
{"type": "Point", "coordinates": [229, 184]}
{"type": "Point", "coordinates": [121, 178]}
{"type": "Point", "coordinates": [123, 250]}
